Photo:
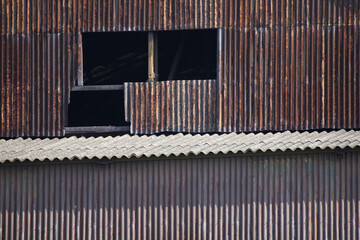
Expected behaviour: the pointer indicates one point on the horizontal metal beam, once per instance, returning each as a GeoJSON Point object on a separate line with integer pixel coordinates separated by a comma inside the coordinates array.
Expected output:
{"type": "Point", "coordinates": [96, 129]}
{"type": "Point", "coordinates": [98, 88]}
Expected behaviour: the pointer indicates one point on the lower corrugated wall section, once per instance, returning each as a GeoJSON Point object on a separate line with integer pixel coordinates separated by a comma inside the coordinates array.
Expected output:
{"type": "Point", "coordinates": [171, 106]}
{"type": "Point", "coordinates": [307, 195]}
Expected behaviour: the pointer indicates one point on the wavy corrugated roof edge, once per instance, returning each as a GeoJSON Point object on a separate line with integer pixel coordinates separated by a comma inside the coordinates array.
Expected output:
{"type": "Point", "coordinates": [137, 146]}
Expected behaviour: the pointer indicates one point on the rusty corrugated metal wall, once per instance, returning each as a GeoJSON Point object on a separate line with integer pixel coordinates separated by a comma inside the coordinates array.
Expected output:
{"type": "Point", "coordinates": [172, 106]}
{"type": "Point", "coordinates": [25, 17]}
{"type": "Point", "coordinates": [290, 64]}
{"type": "Point", "coordinates": [302, 195]}
{"type": "Point", "coordinates": [40, 50]}
{"type": "Point", "coordinates": [35, 75]}
{"type": "Point", "coordinates": [283, 64]}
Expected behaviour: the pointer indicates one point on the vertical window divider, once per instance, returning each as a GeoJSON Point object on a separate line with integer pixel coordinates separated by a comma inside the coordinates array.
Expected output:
{"type": "Point", "coordinates": [153, 74]}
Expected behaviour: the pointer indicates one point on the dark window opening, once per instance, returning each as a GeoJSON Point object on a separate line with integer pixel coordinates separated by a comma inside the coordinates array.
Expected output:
{"type": "Point", "coordinates": [114, 58]}
{"type": "Point", "coordinates": [111, 59]}
{"type": "Point", "coordinates": [187, 55]}
{"type": "Point", "coordinates": [96, 108]}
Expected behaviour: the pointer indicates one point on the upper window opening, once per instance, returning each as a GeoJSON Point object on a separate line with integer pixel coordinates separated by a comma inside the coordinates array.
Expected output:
{"type": "Point", "coordinates": [187, 55]}
{"type": "Point", "coordinates": [114, 58]}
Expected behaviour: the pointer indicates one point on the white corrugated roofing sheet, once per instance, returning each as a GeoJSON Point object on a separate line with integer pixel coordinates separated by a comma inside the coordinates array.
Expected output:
{"type": "Point", "coordinates": [137, 146]}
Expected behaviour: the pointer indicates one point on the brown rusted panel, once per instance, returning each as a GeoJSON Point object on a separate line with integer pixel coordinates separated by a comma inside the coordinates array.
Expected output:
{"type": "Point", "coordinates": [306, 195]}
{"type": "Point", "coordinates": [34, 80]}
{"type": "Point", "coordinates": [297, 78]}
{"type": "Point", "coordinates": [290, 13]}
{"type": "Point", "coordinates": [289, 65]}
{"type": "Point", "coordinates": [171, 106]}
{"type": "Point", "coordinates": [24, 16]}
{"type": "Point", "coordinates": [37, 16]}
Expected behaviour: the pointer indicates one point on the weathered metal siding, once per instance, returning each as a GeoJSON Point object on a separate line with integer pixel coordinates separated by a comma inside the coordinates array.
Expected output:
{"type": "Point", "coordinates": [290, 64]}
{"type": "Point", "coordinates": [172, 106]}
{"type": "Point", "coordinates": [283, 64]}
{"type": "Point", "coordinates": [35, 75]}
{"type": "Point", "coordinates": [273, 196]}
{"type": "Point", "coordinates": [40, 50]}
{"type": "Point", "coordinates": [61, 16]}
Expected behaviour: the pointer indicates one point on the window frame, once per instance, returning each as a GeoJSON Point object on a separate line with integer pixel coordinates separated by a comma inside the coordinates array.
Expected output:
{"type": "Point", "coordinates": [152, 77]}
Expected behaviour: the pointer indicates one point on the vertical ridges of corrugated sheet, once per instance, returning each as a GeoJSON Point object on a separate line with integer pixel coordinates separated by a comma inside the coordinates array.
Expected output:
{"type": "Point", "coordinates": [37, 16]}
{"type": "Point", "coordinates": [172, 106]}
{"type": "Point", "coordinates": [283, 78]}
{"type": "Point", "coordinates": [289, 64]}
{"type": "Point", "coordinates": [62, 16]}
{"type": "Point", "coordinates": [271, 196]}
{"type": "Point", "coordinates": [34, 81]}
{"type": "Point", "coordinates": [287, 13]}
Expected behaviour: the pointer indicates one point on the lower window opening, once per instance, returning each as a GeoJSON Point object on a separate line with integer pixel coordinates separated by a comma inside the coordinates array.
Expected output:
{"type": "Point", "coordinates": [96, 108]}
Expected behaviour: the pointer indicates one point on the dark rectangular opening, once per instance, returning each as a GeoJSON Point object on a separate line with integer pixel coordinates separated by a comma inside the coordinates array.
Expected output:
{"type": "Point", "coordinates": [114, 58]}
{"type": "Point", "coordinates": [96, 108]}
{"type": "Point", "coordinates": [111, 59]}
{"type": "Point", "coordinates": [187, 55]}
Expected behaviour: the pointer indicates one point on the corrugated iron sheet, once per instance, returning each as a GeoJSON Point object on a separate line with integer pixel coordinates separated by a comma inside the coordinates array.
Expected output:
{"type": "Point", "coordinates": [128, 146]}
{"type": "Point", "coordinates": [35, 75]}
{"type": "Point", "coordinates": [281, 78]}
{"type": "Point", "coordinates": [283, 64]}
{"type": "Point", "coordinates": [276, 196]}
{"type": "Point", "coordinates": [172, 106]}
{"type": "Point", "coordinates": [62, 16]}
{"type": "Point", "coordinates": [18, 17]}
{"type": "Point", "coordinates": [289, 64]}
